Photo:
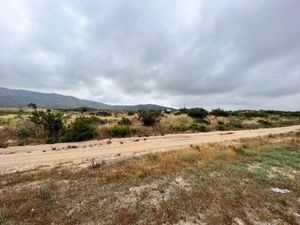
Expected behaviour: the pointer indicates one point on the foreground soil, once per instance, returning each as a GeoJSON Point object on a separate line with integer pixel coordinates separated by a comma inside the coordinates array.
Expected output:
{"type": "Point", "coordinates": [221, 183]}
{"type": "Point", "coordinates": [20, 158]}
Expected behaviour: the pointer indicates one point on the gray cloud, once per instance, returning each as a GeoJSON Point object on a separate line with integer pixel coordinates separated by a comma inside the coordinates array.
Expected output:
{"type": "Point", "coordinates": [229, 54]}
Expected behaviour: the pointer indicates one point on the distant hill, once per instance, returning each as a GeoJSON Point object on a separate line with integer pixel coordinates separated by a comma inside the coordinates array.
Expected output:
{"type": "Point", "coordinates": [21, 98]}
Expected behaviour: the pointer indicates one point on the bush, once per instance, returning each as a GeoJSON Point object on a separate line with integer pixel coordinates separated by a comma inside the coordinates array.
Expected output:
{"type": "Point", "coordinates": [204, 121]}
{"type": "Point", "coordinates": [220, 125]}
{"type": "Point", "coordinates": [254, 113]}
{"type": "Point", "coordinates": [265, 123]}
{"type": "Point", "coordinates": [52, 123]}
{"type": "Point", "coordinates": [219, 112]}
{"type": "Point", "coordinates": [95, 120]}
{"type": "Point", "coordinates": [199, 127]}
{"type": "Point", "coordinates": [52, 140]}
{"type": "Point", "coordinates": [26, 129]}
{"type": "Point", "coordinates": [197, 113]}
{"type": "Point", "coordinates": [6, 134]}
{"type": "Point", "coordinates": [119, 131]}
{"type": "Point", "coordinates": [149, 118]}
{"type": "Point", "coordinates": [104, 113]}
{"type": "Point", "coordinates": [235, 124]}
{"type": "Point", "coordinates": [45, 192]}
{"type": "Point", "coordinates": [81, 129]}
{"type": "Point", "coordinates": [179, 128]}
{"type": "Point", "coordinates": [130, 113]}
{"type": "Point", "coordinates": [125, 121]}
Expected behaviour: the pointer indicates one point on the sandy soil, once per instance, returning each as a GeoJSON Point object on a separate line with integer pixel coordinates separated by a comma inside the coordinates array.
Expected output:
{"type": "Point", "coordinates": [21, 158]}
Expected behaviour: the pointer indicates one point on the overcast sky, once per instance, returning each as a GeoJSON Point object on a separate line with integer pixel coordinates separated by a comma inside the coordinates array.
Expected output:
{"type": "Point", "coordinates": [231, 54]}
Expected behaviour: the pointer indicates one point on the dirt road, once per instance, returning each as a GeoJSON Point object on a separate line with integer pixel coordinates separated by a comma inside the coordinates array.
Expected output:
{"type": "Point", "coordinates": [30, 157]}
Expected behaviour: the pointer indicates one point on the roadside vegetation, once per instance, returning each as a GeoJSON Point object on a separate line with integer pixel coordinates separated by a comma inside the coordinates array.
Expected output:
{"type": "Point", "coordinates": [34, 126]}
{"type": "Point", "coordinates": [229, 183]}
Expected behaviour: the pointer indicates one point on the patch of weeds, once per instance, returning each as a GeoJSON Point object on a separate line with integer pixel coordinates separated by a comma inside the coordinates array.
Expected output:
{"type": "Point", "coordinates": [220, 155]}
{"type": "Point", "coordinates": [284, 200]}
{"type": "Point", "coordinates": [190, 157]}
{"type": "Point", "coordinates": [144, 193]}
{"type": "Point", "coordinates": [3, 217]}
{"type": "Point", "coordinates": [195, 147]}
{"type": "Point", "coordinates": [239, 167]}
{"type": "Point", "coordinates": [280, 156]}
{"type": "Point", "coordinates": [45, 192]}
{"type": "Point", "coordinates": [274, 163]}
{"type": "Point", "coordinates": [152, 157]}
{"type": "Point", "coordinates": [238, 150]}
{"type": "Point", "coordinates": [260, 174]}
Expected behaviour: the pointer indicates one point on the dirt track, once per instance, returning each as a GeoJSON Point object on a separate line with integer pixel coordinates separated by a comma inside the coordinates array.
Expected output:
{"type": "Point", "coordinates": [30, 157]}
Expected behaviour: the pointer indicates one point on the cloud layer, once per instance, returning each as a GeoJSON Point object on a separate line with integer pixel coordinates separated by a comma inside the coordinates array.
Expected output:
{"type": "Point", "coordinates": [229, 54]}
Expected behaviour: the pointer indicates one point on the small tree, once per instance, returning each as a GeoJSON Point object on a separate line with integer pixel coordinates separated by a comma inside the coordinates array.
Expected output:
{"type": "Point", "coordinates": [32, 105]}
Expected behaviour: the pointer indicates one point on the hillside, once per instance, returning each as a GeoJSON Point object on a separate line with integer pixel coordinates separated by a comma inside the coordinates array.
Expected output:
{"type": "Point", "coordinates": [21, 98]}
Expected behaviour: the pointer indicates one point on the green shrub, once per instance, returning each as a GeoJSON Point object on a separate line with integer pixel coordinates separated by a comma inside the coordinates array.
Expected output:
{"type": "Point", "coordinates": [130, 113]}
{"type": "Point", "coordinates": [221, 125]}
{"type": "Point", "coordinates": [220, 112]}
{"type": "Point", "coordinates": [204, 121]}
{"type": "Point", "coordinates": [52, 140]}
{"type": "Point", "coordinates": [149, 118]}
{"type": "Point", "coordinates": [125, 121]}
{"type": "Point", "coordinates": [81, 129]}
{"type": "Point", "coordinates": [104, 113]}
{"type": "Point", "coordinates": [96, 120]}
{"type": "Point", "coordinates": [179, 128]}
{"type": "Point", "coordinates": [265, 123]}
{"type": "Point", "coordinates": [52, 123]}
{"type": "Point", "coordinates": [152, 157]}
{"type": "Point", "coordinates": [254, 113]}
{"type": "Point", "coordinates": [197, 113]}
{"type": "Point", "coordinates": [199, 127]}
{"type": "Point", "coordinates": [4, 121]}
{"type": "Point", "coordinates": [119, 131]}
{"type": "Point", "coordinates": [45, 192]}
{"type": "Point", "coordinates": [235, 124]}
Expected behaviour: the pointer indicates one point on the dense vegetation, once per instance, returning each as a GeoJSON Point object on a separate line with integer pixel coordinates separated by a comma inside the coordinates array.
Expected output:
{"type": "Point", "coordinates": [33, 126]}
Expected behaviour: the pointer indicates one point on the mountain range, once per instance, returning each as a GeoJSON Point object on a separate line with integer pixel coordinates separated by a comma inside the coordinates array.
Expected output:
{"type": "Point", "coordinates": [21, 98]}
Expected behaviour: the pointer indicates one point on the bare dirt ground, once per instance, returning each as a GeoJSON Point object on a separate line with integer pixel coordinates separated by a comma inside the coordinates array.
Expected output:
{"type": "Point", "coordinates": [21, 158]}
